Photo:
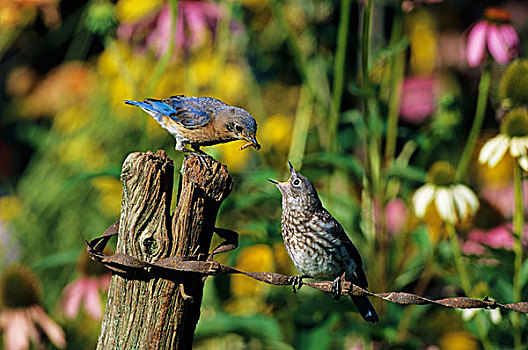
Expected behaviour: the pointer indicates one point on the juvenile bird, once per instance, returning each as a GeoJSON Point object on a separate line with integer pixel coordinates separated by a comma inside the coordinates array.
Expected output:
{"type": "Point", "coordinates": [316, 242]}
{"type": "Point", "coordinates": [201, 121]}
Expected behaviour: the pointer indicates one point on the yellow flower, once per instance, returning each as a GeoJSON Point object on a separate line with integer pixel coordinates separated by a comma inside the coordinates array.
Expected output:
{"type": "Point", "coordinates": [71, 119]}
{"type": "Point", "coordinates": [130, 11]}
{"type": "Point", "coordinates": [233, 85]}
{"type": "Point", "coordinates": [422, 37]}
{"type": "Point", "coordinates": [454, 202]}
{"type": "Point", "coordinates": [258, 257]}
{"type": "Point", "coordinates": [276, 132]}
{"type": "Point", "coordinates": [83, 151]}
{"type": "Point", "coordinates": [10, 207]}
{"type": "Point", "coordinates": [110, 190]}
{"type": "Point", "coordinates": [498, 176]}
{"type": "Point", "coordinates": [513, 137]}
{"type": "Point", "coordinates": [458, 340]}
{"type": "Point", "coordinates": [248, 294]}
{"type": "Point", "coordinates": [231, 154]}
{"type": "Point", "coordinates": [201, 69]}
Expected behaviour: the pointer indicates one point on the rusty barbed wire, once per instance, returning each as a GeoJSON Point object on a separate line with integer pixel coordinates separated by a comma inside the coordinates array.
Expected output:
{"type": "Point", "coordinates": [127, 265]}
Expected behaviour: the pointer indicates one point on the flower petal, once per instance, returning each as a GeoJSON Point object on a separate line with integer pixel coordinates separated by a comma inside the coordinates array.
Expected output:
{"type": "Point", "coordinates": [511, 39]}
{"type": "Point", "coordinates": [445, 206]}
{"type": "Point", "coordinates": [495, 316]}
{"type": "Point", "coordinates": [92, 299]}
{"type": "Point", "coordinates": [500, 147]}
{"type": "Point", "coordinates": [515, 147]}
{"type": "Point", "coordinates": [460, 204]}
{"type": "Point", "coordinates": [523, 162]}
{"type": "Point", "coordinates": [421, 199]}
{"type": "Point", "coordinates": [20, 332]}
{"type": "Point", "coordinates": [52, 330]}
{"type": "Point", "coordinates": [476, 44]}
{"type": "Point", "coordinates": [488, 149]}
{"type": "Point", "coordinates": [469, 196]}
{"type": "Point", "coordinates": [497, 46]}
{"type": "Point", "coordinates": [71, 298]}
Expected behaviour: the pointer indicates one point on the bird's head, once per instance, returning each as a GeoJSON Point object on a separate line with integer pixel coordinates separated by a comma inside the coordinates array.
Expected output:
{"type": "Point", "coordinates": [241, 125]}
{"type": "Point", "coordinates": [298, 190]}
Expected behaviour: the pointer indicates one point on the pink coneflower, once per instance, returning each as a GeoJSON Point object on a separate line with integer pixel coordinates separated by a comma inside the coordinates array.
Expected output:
{"type": "Point", "coordinates": [22, 320]}
{"type": "Point", "coordinates": [196, 21]}
{"type": "Point", "coordinates": [395, 216]}
{"type": "Point", "coordinates": [86, 290]}
{"type": "Point", "coordinates": [495, 33]}
{"type": "Point", "coordinates": [498, 238]}
{"type": "Point", "coordinates": [418, 98]}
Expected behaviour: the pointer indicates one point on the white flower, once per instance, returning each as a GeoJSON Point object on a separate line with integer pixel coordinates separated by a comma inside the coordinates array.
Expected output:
{"type": "Point", "coordinates": [453, 203]}
{"type": "Point", "coordinates": [494, 315]}
{"type": "Point", "coordinates": [493, 150]}
{"type": "Point", "coordinates": [513, 137]}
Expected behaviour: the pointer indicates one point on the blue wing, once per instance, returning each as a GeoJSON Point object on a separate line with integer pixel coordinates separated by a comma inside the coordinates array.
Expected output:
{"type": "Point", "coordinates": [187, 111]}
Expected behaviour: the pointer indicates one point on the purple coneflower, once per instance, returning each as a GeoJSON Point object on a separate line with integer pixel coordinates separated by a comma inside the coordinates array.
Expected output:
{"type": "Point", "coordinates": [496, 33]}
{"type": "Point", "coordinates": [86, 290]}
{"type": "Point", "coordinates": [196, 20]}
{"type": "Point", "coordinates": [23, 321]}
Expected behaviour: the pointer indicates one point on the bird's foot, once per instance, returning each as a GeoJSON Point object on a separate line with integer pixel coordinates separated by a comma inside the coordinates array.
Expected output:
{"type": "Point", "coordinates": [336, 288]}
{"type": "Point", "coordinates": [296, 282]}
{"type": "Point", "coordinates": [201, 156]}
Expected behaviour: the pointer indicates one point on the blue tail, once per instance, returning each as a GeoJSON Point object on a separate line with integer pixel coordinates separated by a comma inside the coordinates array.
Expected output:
{"type": "Point", "coordinates": [154, 107]}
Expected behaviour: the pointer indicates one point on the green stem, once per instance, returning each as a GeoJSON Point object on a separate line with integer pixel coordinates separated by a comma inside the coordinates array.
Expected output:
{"type": "Point", "coordinates": [518, 223]}
{"type": "Point", "coordinates": [482, 99]}
{"type": "Point", "coordinates": [222, 43]}
{"type": "Point", "coordinates": [365, 39]}
{"type": "Point", "coordinates": [339, 74]}
{"type": "Point", "coordinates": [398, 67]}
{"type": "Point", "coordinates": [301, 127]}
{"type": "Point", "coordinates": [163, 62]}
{"type": "Point", "coordinates": [455, 246]}
{"type": "Point", "coordinates": [464, 279]}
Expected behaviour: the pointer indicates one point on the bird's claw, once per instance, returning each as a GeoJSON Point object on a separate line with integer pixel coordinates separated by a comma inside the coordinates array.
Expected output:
{"type": "Point", "coordinates": [296, 282]}
{"type": "Point", "coordinates": [336, 288]}
{"type": "Point", "coordinates": [200, 156]}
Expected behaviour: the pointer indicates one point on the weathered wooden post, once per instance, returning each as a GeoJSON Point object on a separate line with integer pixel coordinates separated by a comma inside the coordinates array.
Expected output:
{"type": "Point", "coordinates": [151, 312]}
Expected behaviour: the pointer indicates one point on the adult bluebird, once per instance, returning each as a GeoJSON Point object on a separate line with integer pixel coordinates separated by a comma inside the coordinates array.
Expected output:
{"type": "Point", "coordinates": [317, 243]}
{"type": "Point", "coordinates": [201, 121]}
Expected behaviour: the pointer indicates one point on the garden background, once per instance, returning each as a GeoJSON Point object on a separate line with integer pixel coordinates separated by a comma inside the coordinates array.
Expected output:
{"type": "Point", "coordinates": [371, 100]}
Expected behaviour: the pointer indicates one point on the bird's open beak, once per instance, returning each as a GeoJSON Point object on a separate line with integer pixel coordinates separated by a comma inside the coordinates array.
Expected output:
{"type": "Point", "coordinates": [280, 185]}
{"type": "Point", "coordinates": [252, 141]}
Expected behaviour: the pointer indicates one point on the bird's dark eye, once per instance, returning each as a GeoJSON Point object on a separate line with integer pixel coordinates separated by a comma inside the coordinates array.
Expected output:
{"type": "Point", "coordinates": [239, 128]}
{"type": "Point", "coordinates": [296, 182]}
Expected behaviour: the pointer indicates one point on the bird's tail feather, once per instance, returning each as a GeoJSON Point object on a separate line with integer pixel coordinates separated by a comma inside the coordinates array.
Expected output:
{"type": "Point", "coordinates": [155, 110]}
{"type": "Point", "coordinates": [365, 308]}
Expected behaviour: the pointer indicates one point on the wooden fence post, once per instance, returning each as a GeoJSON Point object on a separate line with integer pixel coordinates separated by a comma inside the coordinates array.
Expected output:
{"type": "Point", "coordinates": [161, 313]}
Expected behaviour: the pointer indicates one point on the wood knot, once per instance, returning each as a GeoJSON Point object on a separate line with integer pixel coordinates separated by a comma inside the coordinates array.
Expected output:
{"type": "Point", "coordinates": [150, 246]}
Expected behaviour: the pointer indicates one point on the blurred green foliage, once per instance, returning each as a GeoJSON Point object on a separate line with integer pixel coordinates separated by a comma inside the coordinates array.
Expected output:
{"type": "Point", "coordinates": [333, 86]}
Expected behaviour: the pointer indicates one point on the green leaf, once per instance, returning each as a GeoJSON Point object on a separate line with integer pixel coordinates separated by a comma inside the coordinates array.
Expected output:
{"type": "Point", "coordinates": [524, 273]}
{"type": "Point", "coordinates": [389, 52]}
{"type": "Point", "coordinates": [319, 337]}
{"type": "Point", "coordinates": [407, 173]}
{"type": "Point", "coordinates": [59, 259]}
{"type": "Point", "coordinates": [346, 162]}
{"type": "Point", "coordinates": [256, 326]}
